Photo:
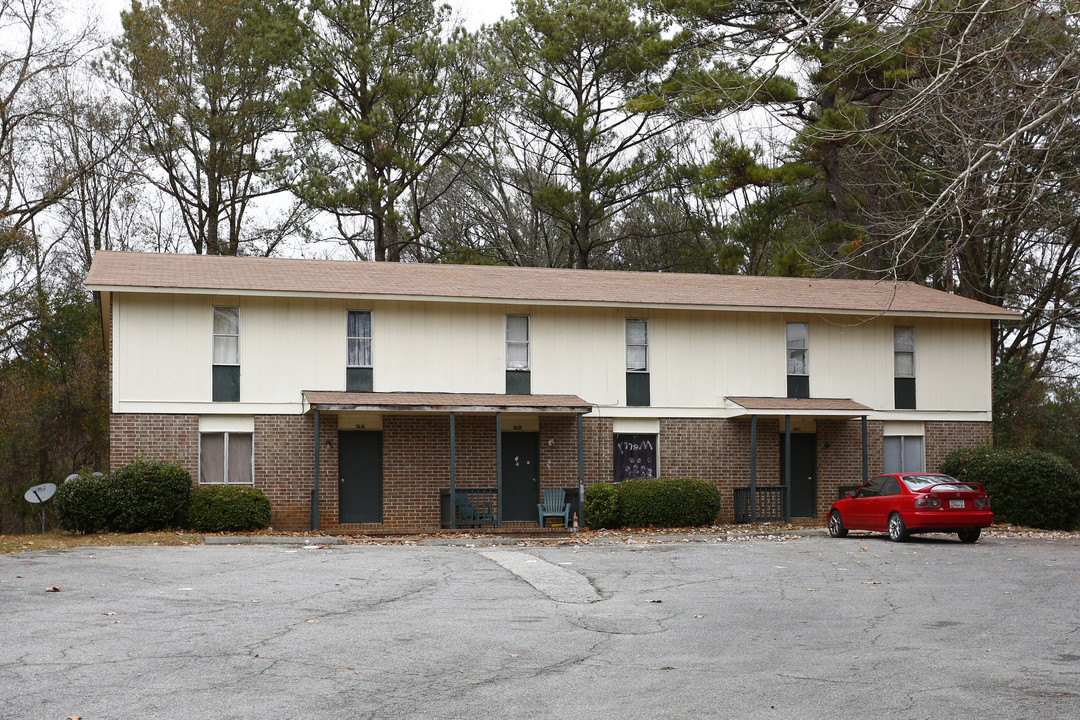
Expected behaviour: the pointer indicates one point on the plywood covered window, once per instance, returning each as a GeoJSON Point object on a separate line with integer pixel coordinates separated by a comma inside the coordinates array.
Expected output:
{"type": "Point", "coordinates": [635, 456]}
{"type": "Point", "coordinates": [225, 458]}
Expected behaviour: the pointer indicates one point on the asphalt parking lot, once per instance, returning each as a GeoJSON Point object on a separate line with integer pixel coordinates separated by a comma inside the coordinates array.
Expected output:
{"type": "Point", "coordinates": [803, 628]}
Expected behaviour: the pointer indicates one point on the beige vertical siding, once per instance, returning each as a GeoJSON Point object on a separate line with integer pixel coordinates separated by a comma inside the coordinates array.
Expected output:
{"type": "Point", "coordinates": [162, 353]}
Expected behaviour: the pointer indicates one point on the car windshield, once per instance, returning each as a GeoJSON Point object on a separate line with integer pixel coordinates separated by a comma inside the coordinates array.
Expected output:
{"type": "Point", "coordinates": [918, 482]}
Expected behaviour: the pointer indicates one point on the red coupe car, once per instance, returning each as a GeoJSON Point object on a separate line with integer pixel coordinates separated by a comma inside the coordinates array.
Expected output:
{"type": "Point", "coordinates": [906, 503]}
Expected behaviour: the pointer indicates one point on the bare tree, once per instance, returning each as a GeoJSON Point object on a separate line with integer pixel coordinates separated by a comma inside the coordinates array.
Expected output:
{"type": "Point", "coordinates": [37, 46]}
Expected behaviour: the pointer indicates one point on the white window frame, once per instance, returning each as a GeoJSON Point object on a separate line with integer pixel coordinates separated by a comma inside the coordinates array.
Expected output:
{"type": "Point", "coordinates": [214, 335]}
{"type": "Point", "coordinates": [805, 350]}
{"type": "Point", "coordinates": [369, 338]}
{"type": "Point", "coordinates": [897, 351]}
{"type": "Point", "coordinates": [225, 458]}
{"type": "Point", "coordinates": [527, 342]}
{"type": "Point", "coordinates": [626, 333]}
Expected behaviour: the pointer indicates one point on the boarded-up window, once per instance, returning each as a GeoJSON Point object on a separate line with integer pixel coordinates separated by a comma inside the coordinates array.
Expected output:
{"type": "Point", "coordinates": [635, 456]}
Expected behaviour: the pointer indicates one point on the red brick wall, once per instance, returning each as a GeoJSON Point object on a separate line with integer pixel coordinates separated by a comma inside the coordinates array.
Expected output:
{"type": "Point", "coordinates": [416, 457]}
{"type": "Point", "coordinates": [284, 468]}
{"type": "Point", "coordinates": [154, 437]}
{"type": "Point", "coordinates": [942, 437]}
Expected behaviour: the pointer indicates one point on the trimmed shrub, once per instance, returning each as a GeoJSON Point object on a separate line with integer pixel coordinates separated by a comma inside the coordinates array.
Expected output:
{"type": "Point", "coordinates": [673, 502]}
{"type": "Point", "coordinates": [1027, 487]}
{"type": "Point", "coordinates": [659, 502]}
{"type": "Point", "coordinates": [82, 503]}
{"type": "Point", "coordinates": [148, 496]}
{"type": "Point", "coordinates": [224, 508]}
{"type": "Point", "coordinates": [601, 508]}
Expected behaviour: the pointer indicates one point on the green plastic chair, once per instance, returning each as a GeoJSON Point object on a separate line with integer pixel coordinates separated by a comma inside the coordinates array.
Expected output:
{"type": "Point", "coordinates": [554, 505]}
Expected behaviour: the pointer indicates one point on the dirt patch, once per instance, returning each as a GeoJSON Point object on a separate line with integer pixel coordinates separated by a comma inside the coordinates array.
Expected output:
{"type": "Point", "coordinates": [59, 540]}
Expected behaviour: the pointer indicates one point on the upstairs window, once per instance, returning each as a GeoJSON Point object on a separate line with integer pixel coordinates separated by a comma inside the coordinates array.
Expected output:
{"type": "Point", "coordinates": [637, 362]}
{"type": "Point", "coordinates": [517, 342]}
{"type": "Point", "coordinates": [226, 360]}
{"type": "Point", "coordinates": [518, 376]}
{"type": "Point", "coordinates": [637, 345]}
{"type": "Point", "coordinates": [798, 360]}
{"type": "Point", "coordinates": [904, 367]}
{"type": "Point", "coordinates": [358, 368]}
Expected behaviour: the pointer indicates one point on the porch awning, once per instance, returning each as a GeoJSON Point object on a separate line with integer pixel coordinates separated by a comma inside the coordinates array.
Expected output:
{"type": "Point", "coordinates": [443, 402]}
{"type": "Point", "coordinates": [809, 407]}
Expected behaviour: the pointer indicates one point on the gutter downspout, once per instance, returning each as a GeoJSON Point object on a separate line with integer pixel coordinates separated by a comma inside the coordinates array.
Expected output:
{"type": "Point", "coordinates": [453, 477]}
{"type": "Point", "coordinates": [787, 468]}
{"type": "Point", "coordinates": [315, 491]}
{"type": "Point", "coordinates": [865, 453]}
{"type": "Point", "coordinates": [580, 472]}
{"type": "Point", "coordinates": [753, 468]}
{"type": "Point", "coordinates": [498, 467]}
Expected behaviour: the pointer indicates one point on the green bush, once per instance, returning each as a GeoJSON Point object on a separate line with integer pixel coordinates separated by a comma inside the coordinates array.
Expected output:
{"type": "Point", "coordinates": [1027, 487]}
{"type": "Point", "coordinates": [659, 502]}
{"type": "Point", "coordinates": [148, 496]}
{"type": "Point", "coordinates": [82, 503]}
{"type": "Point", "coordinates": [675, 502]}
{"type": "Point", "coordinates": [223, 508]}
{"type": "Point", "coordinates": [601, 509]}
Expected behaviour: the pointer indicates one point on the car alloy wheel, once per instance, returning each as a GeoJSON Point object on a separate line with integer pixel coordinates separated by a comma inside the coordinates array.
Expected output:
{"type": "Point", "coordinates": [897, 530]}
{"type": "Point", "coordinates": [836, 525]}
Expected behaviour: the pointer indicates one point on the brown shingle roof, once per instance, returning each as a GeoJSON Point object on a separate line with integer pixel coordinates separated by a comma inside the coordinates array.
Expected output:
{"type": "Point", "coordinates": [444, 402]}
{"type": "Point", "coordinates": [165, 272]}
{"type": "Point", "coordinates": [797, 406]}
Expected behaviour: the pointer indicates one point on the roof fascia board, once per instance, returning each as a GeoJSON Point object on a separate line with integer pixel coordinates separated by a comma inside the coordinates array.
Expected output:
{"type": "Point", "coordinates": [344, 407]}
{"type": "Point", "coordinates": [858, 312]}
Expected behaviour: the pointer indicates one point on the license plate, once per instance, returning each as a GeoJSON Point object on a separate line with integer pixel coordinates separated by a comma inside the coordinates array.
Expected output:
{"type": "Point", "coordinates": [956, 504]}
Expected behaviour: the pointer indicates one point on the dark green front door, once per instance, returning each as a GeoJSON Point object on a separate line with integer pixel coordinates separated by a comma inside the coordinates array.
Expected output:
{"type": "Point", "coordinates": [803, 474]}
{"type": "Point", "coordinates": [520, 475]}
{"type": "Point", "coordinates": [359, 476]}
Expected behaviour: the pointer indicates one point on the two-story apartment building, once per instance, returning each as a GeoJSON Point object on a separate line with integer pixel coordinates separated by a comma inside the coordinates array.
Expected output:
{"type": "Point", "coordinates": [357, 394]}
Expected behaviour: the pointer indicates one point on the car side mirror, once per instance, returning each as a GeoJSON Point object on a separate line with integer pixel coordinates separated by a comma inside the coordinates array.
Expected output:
{"type": "Point", "coordinates": [852, 493]}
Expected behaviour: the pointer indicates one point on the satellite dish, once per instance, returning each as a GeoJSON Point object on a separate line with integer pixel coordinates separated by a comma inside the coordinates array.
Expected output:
{"type": "Point", "coordinates": [72, 476]}
{"type": "Point", "coordinates": [97, 474]}
{"type": "Point", "coordinates": [40, 493]}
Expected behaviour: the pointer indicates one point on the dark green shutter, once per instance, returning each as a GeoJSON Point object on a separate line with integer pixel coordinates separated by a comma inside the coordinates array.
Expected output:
{"type": "Point", "coordinates": [359, 379]}
{"type": "Point", "coordinates": [637, 389]}
{"type": "Point", "coordinates": [518, 382]}
{"type": "Point", "coordinates": [226, 383]}
{"type": "Point", "coordinates": [904, 393]}
{"type": "Point", "coordinates": [798, 386]}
